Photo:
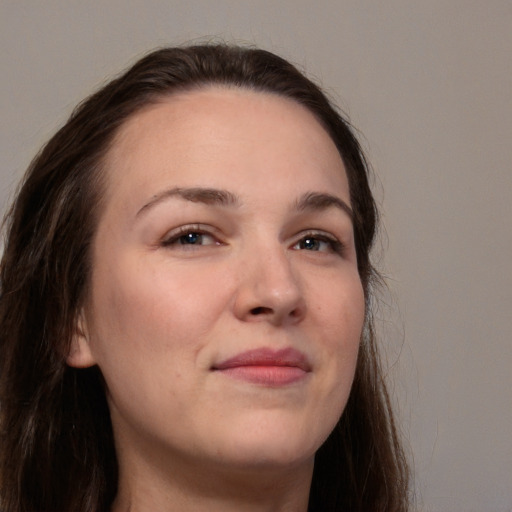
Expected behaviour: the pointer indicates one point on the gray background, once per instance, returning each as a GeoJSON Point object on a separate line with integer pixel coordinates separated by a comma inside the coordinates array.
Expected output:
{"type": "Point", "coordinates": [428, 83]}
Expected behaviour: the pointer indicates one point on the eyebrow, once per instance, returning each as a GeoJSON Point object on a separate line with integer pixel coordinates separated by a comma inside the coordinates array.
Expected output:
{"type": "Point", "coordinates": [211, 196]}
{"type": "Point", "coordinates": [316, 201]}
{"type": "Point", "coordinates": [322, 201]}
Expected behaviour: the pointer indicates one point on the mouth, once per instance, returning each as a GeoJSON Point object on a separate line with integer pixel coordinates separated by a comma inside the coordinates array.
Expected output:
{"type": "Point", "coordinates": [266, 366]}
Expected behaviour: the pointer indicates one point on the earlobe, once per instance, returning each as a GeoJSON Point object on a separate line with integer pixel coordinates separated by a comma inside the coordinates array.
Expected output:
{"type": "Point", "coordinates": [80, 355]}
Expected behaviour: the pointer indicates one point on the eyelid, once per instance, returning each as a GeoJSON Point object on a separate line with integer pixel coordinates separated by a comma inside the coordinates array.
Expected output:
{"type": "Point", "coordinates": [337, 246]}
{"type": "Point", "coordinates": [174, 235]}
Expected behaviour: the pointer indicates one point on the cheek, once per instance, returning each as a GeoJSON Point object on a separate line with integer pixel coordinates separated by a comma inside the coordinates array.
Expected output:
{"type": "Point", "coordinates": [341, 310]}
{"type": "Point", "coordinates": [341, 314]}
{"type": "Point", "coordinates": [145, 336]}
{"type": "Point", "coordinates": [141, 312]}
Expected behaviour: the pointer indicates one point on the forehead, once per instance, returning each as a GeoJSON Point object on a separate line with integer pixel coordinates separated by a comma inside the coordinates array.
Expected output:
{"type": "Point", "coordinates": [216, 135]}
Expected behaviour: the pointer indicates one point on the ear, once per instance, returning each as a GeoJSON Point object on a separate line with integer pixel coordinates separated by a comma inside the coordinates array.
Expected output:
{"type": "Point", "coordinates": [80, 355]}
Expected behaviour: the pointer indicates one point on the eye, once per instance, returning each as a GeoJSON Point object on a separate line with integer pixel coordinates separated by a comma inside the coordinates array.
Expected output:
{"type": "Point", "coordinates": [189, 236]}
{"type": "Point", "coordinates": [319, 242]}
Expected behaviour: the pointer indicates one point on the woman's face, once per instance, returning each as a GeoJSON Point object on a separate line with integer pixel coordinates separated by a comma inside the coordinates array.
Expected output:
{"type": "Point", "coordinates": [225, 308]}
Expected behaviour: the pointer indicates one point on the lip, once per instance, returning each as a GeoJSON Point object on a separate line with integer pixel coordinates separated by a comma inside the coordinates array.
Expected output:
{"type": "Point", "coordinates": [266, 366]}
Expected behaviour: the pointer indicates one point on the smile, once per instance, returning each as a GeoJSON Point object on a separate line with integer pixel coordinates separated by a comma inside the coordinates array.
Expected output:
{"type": "Point", "coordinates": [266, 366]}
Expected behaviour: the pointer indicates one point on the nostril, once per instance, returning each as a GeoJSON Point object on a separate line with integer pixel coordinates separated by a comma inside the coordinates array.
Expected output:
{"type": "Point", "coordinates": [296, 313]}
{"type": "Point", "coordinates": [260, 311]}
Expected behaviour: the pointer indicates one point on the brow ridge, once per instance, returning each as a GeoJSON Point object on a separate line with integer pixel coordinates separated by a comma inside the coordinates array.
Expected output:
{"type": "Point", "coordinates": [322, 201]}
{"type": "Point", "coordinates": [204, 195]}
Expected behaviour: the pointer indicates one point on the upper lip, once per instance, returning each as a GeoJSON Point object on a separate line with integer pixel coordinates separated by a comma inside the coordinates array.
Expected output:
{"type": "Point", "coordinates": [266, 357]}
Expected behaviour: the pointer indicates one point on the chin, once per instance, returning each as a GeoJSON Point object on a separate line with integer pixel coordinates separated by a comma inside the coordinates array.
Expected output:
{"type": "Point", "coordinates": [280, 458]}
{"type": "Point", "coordinates": [271, 445]}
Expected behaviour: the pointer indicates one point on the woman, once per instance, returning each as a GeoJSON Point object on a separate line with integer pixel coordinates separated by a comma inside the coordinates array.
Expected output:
{"type": "Point", "coordinates": [186, 302]}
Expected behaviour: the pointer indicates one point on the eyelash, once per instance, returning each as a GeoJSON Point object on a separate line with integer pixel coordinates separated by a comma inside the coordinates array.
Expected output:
{"type": "Point", "coordinates": [195, 229]}
{"type": "Point", "coordinates": [177, 237]}
{"type": "Point", "coordinates": [335, 246]}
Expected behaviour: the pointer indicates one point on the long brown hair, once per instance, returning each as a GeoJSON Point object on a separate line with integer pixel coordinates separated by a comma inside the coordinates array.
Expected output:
{"type": "Point", "coordinates": [57, 450]}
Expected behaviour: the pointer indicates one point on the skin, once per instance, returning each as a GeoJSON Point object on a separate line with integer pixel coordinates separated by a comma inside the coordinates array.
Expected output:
{"type": "Point", "coordinates": [184, 281]}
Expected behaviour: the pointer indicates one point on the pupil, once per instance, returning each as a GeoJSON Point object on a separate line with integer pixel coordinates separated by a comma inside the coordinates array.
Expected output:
{"type": "Point", "coordinates": [310, 243]}
{"type": "Point", "coordinates": [190, 238]}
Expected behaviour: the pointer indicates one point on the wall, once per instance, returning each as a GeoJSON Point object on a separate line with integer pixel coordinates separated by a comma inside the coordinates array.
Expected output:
{"type": "Point", "coordinates": [429, 85]}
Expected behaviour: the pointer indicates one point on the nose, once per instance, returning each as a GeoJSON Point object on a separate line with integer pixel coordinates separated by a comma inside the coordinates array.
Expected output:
{"type": "Point", "coordinates": [269, 289]}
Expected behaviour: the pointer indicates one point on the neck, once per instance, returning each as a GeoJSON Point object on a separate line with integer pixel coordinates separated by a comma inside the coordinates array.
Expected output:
{"type": "Point", "coordinates": [213, 489]}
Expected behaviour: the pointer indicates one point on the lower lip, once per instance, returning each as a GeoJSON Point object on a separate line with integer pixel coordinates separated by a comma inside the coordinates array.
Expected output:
{"type": "Point", "coordinates": [267, 375]}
